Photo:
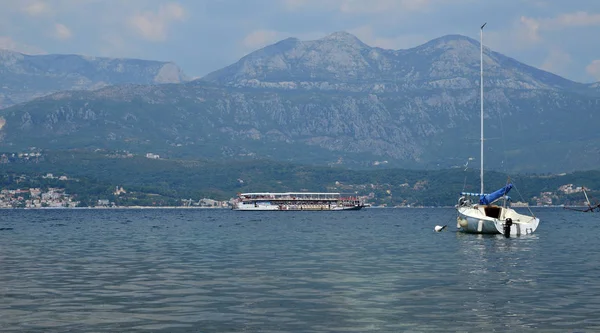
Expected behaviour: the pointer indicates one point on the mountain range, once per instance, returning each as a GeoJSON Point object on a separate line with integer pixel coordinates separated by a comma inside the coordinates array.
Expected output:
{"type": "Point", "coordinates": [25, 77]}
{"type": "Point", "coordinates": [341, 62]}
{"type": "Point", "coordinates": [331, 101]}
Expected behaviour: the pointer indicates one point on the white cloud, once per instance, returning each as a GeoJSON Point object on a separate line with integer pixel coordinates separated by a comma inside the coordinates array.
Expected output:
{"type": "Point", "coordinates": [593, 69]}
{"type": "Point", "coordinates": [361, 6]}
{"type": "Point", "coordinates": [36, 8]}
{"type": "Point", "coordinates": [557, 61]}
{"type": "Point", "coordinates": [61, 31]}
{"type": "Point", "coordinates": [380, 6]}
{"type": "Point", "coordinates": [116, 45]}
{"type": "Point", "coordinates": [260, 38]}
{"type": "Point", "coordinates": [153, 26]}
{"type": "Point", "coordinates": [529, 32]}
{"type": "Point", "coordinates": [8, 43]}
{"type": "Point", "coordinates": [536, 3]}
{"type": "Point", "coordinates": [577, 19]}
{"type": "Point", "coordinates": [532, 27]}
{"type": "Point", "coordinates": [295, 4]}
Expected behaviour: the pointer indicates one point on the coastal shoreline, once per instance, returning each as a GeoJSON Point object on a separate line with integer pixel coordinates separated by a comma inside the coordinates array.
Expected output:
{"type": "Point", "coordinates": [225, 208]}
{"type": "Point", "coordinates": [104, 208]}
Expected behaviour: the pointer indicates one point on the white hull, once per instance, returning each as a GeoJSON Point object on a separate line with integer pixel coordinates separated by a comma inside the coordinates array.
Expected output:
{"type": "Point", "coordinates": [255, 207]}
{"type": "Point", "coordinates": [269, 207]}
{"type": "Point", "coordinates": [305, 201]}
{"type": "Point", "coordinates": [473, 219]}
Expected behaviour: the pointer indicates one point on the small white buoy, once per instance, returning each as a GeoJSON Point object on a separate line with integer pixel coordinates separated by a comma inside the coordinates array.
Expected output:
{"type": "Point", "coordinates": [439, 228]}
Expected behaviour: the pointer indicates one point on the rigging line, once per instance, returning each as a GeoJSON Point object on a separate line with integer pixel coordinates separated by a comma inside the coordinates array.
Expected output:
{"type": "Point", "coordinates": [466, 174]}
{"type": "Point", "coordinates": [465, 181]}
{"type": "Point", "coordinates": [521, 196]}
{"type": "Point", "coordinates": [505, 160]}
{"type": "Point", "coordinates": [505, 163]}
{"type": "Point", "coordinates": [505, 196]}
{"type": "Point", "coordinates": [504, 167]}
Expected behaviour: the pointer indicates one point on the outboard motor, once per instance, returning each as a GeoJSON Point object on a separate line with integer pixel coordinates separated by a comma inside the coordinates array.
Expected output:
{"type": "Point", "coordinates": [507, 224]}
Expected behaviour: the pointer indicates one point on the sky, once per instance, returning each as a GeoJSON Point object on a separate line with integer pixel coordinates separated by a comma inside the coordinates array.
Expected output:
{"type": "Point", "coordinates": [202, 36]}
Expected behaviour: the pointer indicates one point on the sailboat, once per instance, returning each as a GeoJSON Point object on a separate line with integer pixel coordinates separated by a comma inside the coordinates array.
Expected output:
{"type": "Point", "coordinates": [484, 216]}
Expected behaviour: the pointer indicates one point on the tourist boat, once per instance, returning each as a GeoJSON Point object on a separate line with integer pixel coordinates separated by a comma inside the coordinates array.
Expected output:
{"type": "Point", "coordinates": [484, 217]}
{"type": "Point", "coordinates": [304, 201]}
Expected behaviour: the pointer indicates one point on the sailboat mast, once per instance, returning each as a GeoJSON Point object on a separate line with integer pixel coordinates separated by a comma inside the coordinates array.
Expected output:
{"type": "Point", "coordinates": [481, 99]}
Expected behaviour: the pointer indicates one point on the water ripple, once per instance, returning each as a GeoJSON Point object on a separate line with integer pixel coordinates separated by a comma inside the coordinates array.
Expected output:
{"type": "Point", "coordinates": [223, 271]}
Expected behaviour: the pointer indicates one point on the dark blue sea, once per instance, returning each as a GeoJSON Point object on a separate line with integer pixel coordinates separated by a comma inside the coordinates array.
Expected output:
{"type": "Point", "coordinates": [374, 270]}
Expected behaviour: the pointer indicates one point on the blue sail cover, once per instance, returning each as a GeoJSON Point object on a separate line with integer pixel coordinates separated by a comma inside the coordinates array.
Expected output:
{"type": "Point", "coordinates": [486, 199]}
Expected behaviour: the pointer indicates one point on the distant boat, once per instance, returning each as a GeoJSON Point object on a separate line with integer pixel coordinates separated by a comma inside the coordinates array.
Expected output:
{"type": "Point", "coordinates": [590, 207]}
{"type": "Point", "coordinates": [483, 216]}
{"type": "Point", "coordinates": [304, 201]}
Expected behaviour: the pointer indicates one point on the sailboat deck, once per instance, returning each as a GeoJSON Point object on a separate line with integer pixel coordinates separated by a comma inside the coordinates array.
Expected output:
{"type": "Point", "coordinates": [494, 212]}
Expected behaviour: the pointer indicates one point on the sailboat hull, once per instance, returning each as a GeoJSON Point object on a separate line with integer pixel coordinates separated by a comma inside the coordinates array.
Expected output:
{"type": "Point", "coordinates": [518, 229]}
{"type": "Point", "coordinates": [476, 219]}
{"type": "Point", "coordinates": [474, 225]}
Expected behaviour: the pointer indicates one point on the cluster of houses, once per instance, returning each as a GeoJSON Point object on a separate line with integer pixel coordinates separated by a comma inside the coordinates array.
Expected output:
{"type": "Point", "coordinates": [7, 157]}
{"type": "Point", "coordinates": [549, 198]}
{"type": "Point", "coordinates": [57, 198]}
{"type": "Point", "coordinates": [35, 198]}
{"type": "Point", "coordinates": [570, 189]}
{"type": "Point", "coordinates": [207, 203]}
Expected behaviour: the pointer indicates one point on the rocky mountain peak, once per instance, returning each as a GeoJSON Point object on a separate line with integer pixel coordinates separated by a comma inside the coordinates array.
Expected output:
{"type": "Point", "coordinates": [170, 73]}
{"type": "Point", "coordinates": [452, 41]}
{"type": "Point", "coordinates": [339, 56]}
{"type": "Point", "coordinates": [341, 62]}
{"type": "Point", "coordinates": [8, 57]}
{"type": "Point", "coordinates": [343, 38]}
{"type": "Point", "coordinates": [461, 48]}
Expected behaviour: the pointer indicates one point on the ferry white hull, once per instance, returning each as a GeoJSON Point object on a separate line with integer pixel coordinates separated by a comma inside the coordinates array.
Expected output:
{"type": "Point", "coordinates": [472, 219]}
{"type": "Point", "coordinates": [296, 201]}
{"type": "Point", "coordinates": [267, 207]}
